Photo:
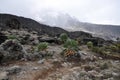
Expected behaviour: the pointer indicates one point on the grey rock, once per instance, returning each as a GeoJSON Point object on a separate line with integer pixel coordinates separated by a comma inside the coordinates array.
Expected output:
{"type": "Point", "coordinates": [48, 39]}
{"type": "Point", "coordinates": [107, 74]}
{"type": "Point", "coordinates": [14, 70]}
{"type": "Point", "coordinates": [100, 58]}
{"type": "Point", "coordinates": [32, 56]}
{"type": "Point", "coordinates": [35, 42]}
{"type": "Point", "coordinates": [116, 75]}
{"type": "Point", "coordinates": [85, 56]}
{"type": "Point", "coordinates": [41, 61]}
{"type": "Point", "coordinates": [4, 76]}
{"type": "Point", "coordinates": [94, 74]}
{"type": "Point", "coordinates": [66, 64]}
{"type": "Point", "coordinates": [11, 50]}
{"type": "Point", "coordinates": [35, 68]}
{"type": "Point", "coordinates": [117, 61]}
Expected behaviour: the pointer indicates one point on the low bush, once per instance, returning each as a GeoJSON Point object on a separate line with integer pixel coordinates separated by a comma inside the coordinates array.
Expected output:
{"type": "Point", "coordinates": [89, 44]}
{"type": "Point", "coordinates": [114, 48]}
{"type": "Point", "coordinates": [42, 46]}
{"type": "Point", "coordinates": [12, 37]}
{"type": "Point", "coordinates": [63, 37]}
{"type": "Point", "coordinates": [95, 49]}
{"type": "Point", "coordinates": [100, 50]}
{"type": "Point", "coordinates": [71, 44]}
{"type": "Point", "coordinates": [118, 45]}
{"type": "Point", "coordinates": [104, 66]}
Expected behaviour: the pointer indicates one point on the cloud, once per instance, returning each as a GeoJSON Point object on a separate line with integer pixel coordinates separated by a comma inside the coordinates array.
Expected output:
{"type": "Point", "coordinates": [95, 11]}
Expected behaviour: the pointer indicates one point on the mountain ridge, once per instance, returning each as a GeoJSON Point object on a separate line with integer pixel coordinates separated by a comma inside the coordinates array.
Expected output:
{"type": "Point", "coordinates": [33, 25]}
{"type": "Point", "coordinates": [108, 32]}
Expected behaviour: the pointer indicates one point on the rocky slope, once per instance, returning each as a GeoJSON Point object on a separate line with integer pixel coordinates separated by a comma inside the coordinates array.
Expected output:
{"type": "Point", "coordinates": [88, 67]}
{"type": "Point", "coordinates": [20, 59]}
{"type": "Point", "coordinates": [6, 21]}
{"type": "Point", "coordinates": [29, 24]}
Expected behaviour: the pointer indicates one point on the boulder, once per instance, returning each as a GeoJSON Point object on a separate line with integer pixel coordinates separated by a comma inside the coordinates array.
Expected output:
{"type": "Point", "coordinates": [86, 57]}
{"type": "Point", "coordinates": [29, 39]}
{"type": "Point", "coordinates": [95, 41]}
{"type": "Point", "coordinates": [14, 70]}
{"type": "Point", "coordinates": [33, 56]}
{"type": "Point", "coordinates": [107, 73]}
{"type": "Point", "coordinates": [11, 50]}
{"type": "Point", "coordinates": [95, 75]}
{"type": "Point", "coordinates": [48, 39]}
{"type": "Point", "coordinates": [79, 34]}
{"type": "Point", "coordinates": [41, 61]}
{"type": "Point", "coordinates": [25, 39]}
{"type": "Point", "coordinates": [4, 76]}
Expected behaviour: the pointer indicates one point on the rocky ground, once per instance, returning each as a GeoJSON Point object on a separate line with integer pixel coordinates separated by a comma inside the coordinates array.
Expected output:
{"type": "Point", "coordinates": [18, 62]}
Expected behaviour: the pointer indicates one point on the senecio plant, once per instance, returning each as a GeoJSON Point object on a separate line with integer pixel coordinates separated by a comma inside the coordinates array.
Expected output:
{"type": "Point", "coordinates": [42, 46]}
{"type": "Point", "coordinates": [70, 45]}
{"type": "Point", "coordinates": [63, 37]}
{"type": "Point", "coordinates": [89, 44]}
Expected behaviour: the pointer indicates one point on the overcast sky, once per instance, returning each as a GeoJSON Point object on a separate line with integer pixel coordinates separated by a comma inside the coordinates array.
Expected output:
{"type": "Point", "coordinates": [94, 11]}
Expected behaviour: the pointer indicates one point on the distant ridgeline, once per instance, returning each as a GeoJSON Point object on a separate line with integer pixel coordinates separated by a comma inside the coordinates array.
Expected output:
{"type": "Point", "coordinates": [8, 21]}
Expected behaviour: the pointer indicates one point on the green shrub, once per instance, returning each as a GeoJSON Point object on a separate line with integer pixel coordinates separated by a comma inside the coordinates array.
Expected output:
{"type": "Point", "coordinates": [63, 37]}
{"type": "Point", "coordinates": [118, 46]}
{"type": "Point", "coordinates": [90, 44]}
{"type": "Point", "coordinates": [42, 46]}
{"type": "Point", "coordinates": [100, 50]}
{"type": "Point", "coordinates": [104, 66]}
{"type": "Point", "coordinates": [71, 44]}
{"type": "Point", "coordinates": [12, 37]}
{"type": "Point", "coordinates": [95, 49]}
{"type": "Point", "coordinates": [114, 48]}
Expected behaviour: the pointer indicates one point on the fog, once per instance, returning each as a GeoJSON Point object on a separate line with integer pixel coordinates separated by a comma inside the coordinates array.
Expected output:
{"type": "Point", "coordinates": [93, 11]}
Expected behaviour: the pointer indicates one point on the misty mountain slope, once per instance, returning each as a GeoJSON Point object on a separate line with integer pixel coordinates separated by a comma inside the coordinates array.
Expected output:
{"type": "Point", "coordinates": [104, 31]}
{"type": "Point", "coordinates": [30, 25]}
{"type": "Point", "coordinates": [42, 29]}
{"type": "Point", "coordinates": [58, 19]}
{"type": "Point", "coordinates": [70, 23]}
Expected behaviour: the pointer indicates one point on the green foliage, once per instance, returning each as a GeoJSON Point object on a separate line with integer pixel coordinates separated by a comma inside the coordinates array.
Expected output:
{"type": "Point", "coordinates": [71, 44]}
{"type": "Point", "coordinates": [114, 48]}
{"type": "Point", "coordinates": [49, 54]}
{"type": "Point", "coordinates": [63, 37]}
{"type": "Point", "coordinates": [90, 44]}
{"type": "Point", "coordinates": [100, 50]}
{"type": "Point", "coordinates": [118, 46]}
{"type": "Point", "coordinates": [12, 37]}
{"type": "Point", "coordinates": [42, 46]}
{"type": "Point", "coordinates": [104, 66]}
{"type": "Point", "coordinates": [108, 50]}
{"type": "Point", "coordinates": [95, 49]}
